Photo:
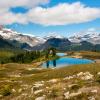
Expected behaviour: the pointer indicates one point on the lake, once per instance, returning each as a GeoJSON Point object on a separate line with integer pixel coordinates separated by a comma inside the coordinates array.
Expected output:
{"type": "Point", "coordinates": [65, 61]}
{"type": "Point", "coordinates": [61, 54]}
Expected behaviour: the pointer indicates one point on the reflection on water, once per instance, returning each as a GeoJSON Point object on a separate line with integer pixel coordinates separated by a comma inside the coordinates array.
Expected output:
{"type": "Point", "coordinates": [64, 61]}
{"type": "Point", "coordinates": [53, 63]}
{"type": "Point", "coordinates": [47, 64]}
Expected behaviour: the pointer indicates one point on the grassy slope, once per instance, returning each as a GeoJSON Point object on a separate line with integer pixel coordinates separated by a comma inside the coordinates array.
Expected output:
{"type": "Point", "coordinates": [92, 55]}
{"type": "Point", "coordinates": [52, 73]}
{"type": "Point", "coordinates": [6, 54]}
{"type": "Point", "coordinates": [66, 71]}
{"type": "Point", "coordinates": [46, 74]}
{"type": "Point", "coordinates": [10, 52]}
{"type": "Point", "coordinates": [85, 54]}
{"type": "Point", "coordinates": [8, 72]}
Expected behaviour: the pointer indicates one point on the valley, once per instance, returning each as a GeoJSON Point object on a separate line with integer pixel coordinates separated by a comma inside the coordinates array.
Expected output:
{"type": "Point", "coordinates": [23, 75]}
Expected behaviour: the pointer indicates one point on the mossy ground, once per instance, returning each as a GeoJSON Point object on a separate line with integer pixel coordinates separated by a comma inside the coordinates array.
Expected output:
{"type": "Point", "coordinates": [21, 77]}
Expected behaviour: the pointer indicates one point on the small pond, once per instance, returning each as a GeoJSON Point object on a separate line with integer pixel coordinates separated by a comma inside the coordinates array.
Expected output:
{"type": "Point", "coordinates": [65, 61]}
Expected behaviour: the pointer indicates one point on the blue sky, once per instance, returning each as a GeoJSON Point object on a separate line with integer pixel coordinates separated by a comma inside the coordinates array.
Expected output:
{"type": "Point", "coordinates": [65, 29]}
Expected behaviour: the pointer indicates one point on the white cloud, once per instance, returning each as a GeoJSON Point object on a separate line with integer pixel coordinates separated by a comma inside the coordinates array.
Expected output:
{"type": "Point", "coordinates": [61, 14]}
{"type": "Point", "coordinates": [8, 17]}
{"type": "Point", "coordinates": [21, 3]}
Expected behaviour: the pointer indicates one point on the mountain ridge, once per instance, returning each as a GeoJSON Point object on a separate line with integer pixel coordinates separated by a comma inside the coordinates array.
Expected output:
{"type": "Point", "coordinates": [13, 35]}
{"type": "Point", "coordinates": [93, 38]}
{"type": "Point", "coordinates": [76, 42]}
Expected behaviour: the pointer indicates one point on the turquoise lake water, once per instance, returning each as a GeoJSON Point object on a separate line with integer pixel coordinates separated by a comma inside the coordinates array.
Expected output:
{"type": "Point", "coordinates": [65, 61]}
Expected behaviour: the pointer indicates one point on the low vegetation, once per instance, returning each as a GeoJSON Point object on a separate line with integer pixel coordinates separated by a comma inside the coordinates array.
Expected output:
{"type": "Point", "coordinates": [91, 55]}
{"type": "Point", "coordinates": [29, 82]}
{"type": "Point", "coordinates": [26, 56]}
{"type": "Point", "coordinates": [5, 54]}
{"type": "Point", "coordinates": [85, 54]}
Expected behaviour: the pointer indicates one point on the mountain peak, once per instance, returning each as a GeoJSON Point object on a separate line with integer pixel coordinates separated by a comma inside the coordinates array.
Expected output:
{"type": "Point", "coordinates": [53, 35]}
{"type": "Point", "coordinates": [92, 37]}
{"type": "Point", "coordinates": [13, 35]}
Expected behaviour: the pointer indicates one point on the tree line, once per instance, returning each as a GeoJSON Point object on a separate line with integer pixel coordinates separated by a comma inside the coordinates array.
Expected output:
{"type": "Point", "coordinates": [29, 56]}
{"type": "Point", "coordinates": [25, 57]}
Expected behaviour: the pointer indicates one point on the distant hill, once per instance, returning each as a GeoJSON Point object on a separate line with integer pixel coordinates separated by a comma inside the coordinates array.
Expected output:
{"type": "Point", "coordinates": [5, 44]}
{"type": "Point", "coordinates": [17, 44]}
{"type": "Point", "coordinates": [66, 45]}
{"type": "Point", "coordinates": [84, 45]}
{"type": "Point", "coordinates": [58, 43]}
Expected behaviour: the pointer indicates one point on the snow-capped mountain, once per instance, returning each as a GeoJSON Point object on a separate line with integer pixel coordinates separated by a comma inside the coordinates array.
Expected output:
{"type": "Point", "coordinates": [13, 35]}
{"type": "Point", "coordinates": [53, 35]}
{"type": "Point", "coordinates": [93, 38]}
{"type": "Point", "coordinates": [34, 41]}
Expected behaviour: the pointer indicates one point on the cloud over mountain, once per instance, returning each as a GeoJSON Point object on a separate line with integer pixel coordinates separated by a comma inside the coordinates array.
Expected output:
{"type": "Point", "coordinates": [61, 14]}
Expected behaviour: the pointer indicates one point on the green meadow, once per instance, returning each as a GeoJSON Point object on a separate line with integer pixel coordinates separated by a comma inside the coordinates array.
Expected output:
{"type": "Point", "coordinates": [17, 79]}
